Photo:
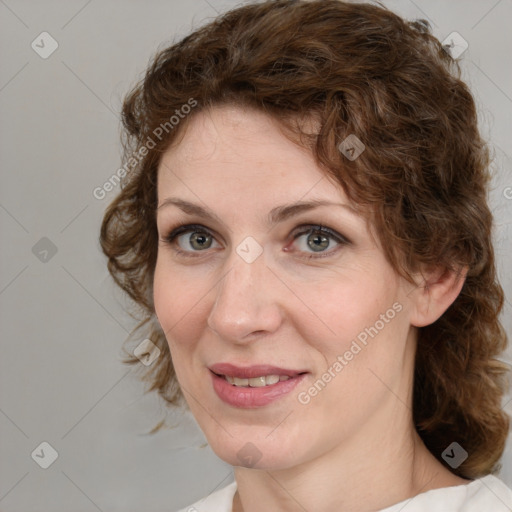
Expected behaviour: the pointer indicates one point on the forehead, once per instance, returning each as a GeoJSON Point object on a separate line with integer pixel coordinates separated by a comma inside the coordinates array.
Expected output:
{"type": "Point", "coordinates": [229, 148]}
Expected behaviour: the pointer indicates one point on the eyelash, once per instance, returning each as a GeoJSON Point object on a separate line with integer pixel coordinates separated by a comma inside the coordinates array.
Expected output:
{"type": "Point", "coordinates": [311, 228]}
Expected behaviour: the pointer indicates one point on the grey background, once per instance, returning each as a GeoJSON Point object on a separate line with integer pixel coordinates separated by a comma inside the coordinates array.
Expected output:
{"type": "Point", "coordinates": [62, 322]}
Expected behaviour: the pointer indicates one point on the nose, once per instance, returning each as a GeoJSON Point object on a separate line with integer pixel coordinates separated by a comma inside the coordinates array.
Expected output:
{"type": "Point", "coordinates": [246, 304]}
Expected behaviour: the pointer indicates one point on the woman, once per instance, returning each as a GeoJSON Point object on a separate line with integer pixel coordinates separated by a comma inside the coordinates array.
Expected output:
{"type": "Point", "coordinates": [305, 228]}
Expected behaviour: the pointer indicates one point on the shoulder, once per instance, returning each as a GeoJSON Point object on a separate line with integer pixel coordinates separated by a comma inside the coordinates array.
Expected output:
{"type": "Point", "coordinates": [218, 501]}
{"type": "Point", "coordinates": [486, 493]}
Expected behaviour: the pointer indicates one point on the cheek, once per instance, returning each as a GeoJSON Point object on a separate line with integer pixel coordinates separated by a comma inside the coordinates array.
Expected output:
{"type": "Point", "coordinates": [358, 366]}
{"type": "Point", "coordinates": [364, 346]}
{"type": "Point", "coordinates": [346, 306]}
{"type": "Point", "coordinates": [180, 306]}
{"type": "Point", "coordinates": [359, 343]}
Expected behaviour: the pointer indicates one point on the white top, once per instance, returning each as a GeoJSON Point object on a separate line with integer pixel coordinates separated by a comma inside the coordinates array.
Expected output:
{"type": "Point", "coordinates": [486, 494]}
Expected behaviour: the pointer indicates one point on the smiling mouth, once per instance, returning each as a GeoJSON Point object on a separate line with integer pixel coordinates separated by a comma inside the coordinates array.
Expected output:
{"type": "Point", "coordinates": [249, 387]}
{"type": "Point", "coordinates": [257, 382]}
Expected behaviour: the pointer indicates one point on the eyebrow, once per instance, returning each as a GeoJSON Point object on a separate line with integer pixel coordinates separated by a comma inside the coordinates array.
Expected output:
{"type": "Point", "coordinates": [276, 215]}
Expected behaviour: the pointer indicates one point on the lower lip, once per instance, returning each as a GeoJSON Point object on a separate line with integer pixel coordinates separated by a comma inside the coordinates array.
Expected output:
{"type": "Point", "coordinates": [249, 398]}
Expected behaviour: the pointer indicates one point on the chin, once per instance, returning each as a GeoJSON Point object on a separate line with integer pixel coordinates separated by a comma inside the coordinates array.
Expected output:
{"type": "Point", "coordinates": [256, 452]}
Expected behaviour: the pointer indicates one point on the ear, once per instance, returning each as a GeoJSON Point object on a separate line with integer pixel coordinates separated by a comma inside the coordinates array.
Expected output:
{"type": "Point", "coordinates": [435, 292]}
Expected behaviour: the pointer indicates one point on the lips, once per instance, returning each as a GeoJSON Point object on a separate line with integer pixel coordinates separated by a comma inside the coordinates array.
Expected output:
{"type": "Point", "coordinates": [243, 386]}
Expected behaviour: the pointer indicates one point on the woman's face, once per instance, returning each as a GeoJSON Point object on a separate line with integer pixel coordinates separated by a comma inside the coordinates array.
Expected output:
{"type": "Point", "coordinates": [274, 279]}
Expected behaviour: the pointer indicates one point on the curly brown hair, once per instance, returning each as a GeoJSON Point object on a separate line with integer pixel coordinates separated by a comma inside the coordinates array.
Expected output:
{"type": "Point", "coordinates": [357, 69]}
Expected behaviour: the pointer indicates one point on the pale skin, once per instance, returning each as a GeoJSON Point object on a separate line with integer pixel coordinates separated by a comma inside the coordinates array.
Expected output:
{"type": "Point", "coordinates": [353, 447]}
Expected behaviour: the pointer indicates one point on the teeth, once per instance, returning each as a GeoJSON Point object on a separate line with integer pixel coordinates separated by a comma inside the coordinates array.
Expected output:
{"type": "Point", "coordinates": [256, 382]}
{"type": "Point", "coordinates": [272, 379]}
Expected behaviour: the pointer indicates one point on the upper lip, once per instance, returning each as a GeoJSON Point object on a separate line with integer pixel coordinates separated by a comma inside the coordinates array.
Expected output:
{"type": "Point", "coordinates": [248, 372]}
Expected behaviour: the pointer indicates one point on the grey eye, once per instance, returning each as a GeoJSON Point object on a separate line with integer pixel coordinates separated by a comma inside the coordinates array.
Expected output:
{"type": "Point", "coordinates": [318, 242]}
{"type": "Point", "coordinates": [197, 240]}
